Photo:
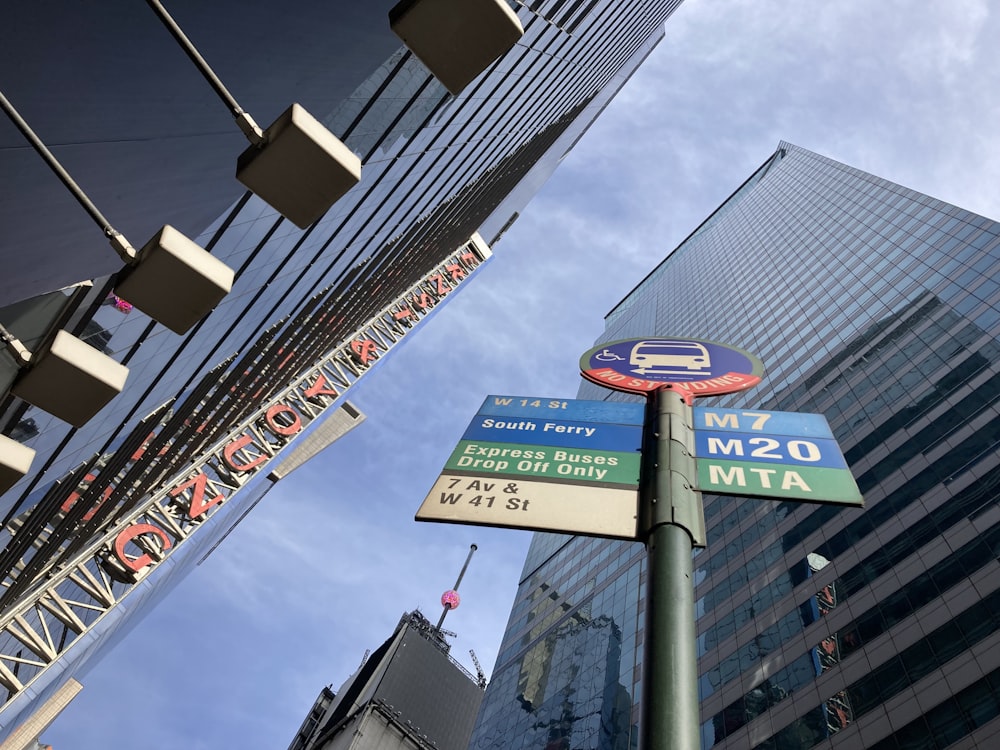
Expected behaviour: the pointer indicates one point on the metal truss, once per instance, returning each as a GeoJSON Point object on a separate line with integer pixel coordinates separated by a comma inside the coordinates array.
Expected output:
{"type": "Point", "coordinates": [107, 526]}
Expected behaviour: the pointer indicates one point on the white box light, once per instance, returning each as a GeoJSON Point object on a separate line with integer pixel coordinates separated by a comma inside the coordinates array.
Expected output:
{"type": "Point", "coordinates": [72, 380]}
{"type": "Point", "coordinates": [300, 169]}
{"type": "Point", "coordinates": [15, 460]}
{"type": "Point", "coordinates": [456, 39]}
{"type": "Point", "coordinates": [175, 281]}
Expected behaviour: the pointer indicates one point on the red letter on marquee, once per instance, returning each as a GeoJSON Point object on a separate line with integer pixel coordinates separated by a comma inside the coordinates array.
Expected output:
{"type": "Point", "coordinates": [423, 301]}
{"type": "Point", "coordinates": [274, 411]}
{"type": "Point", "coordinates": [441, 288]}
{"type": "Point", "coordinates": [470, 259]}
{"type": "Point", "coordinates": [456, 271]}
{"type": "Point", "coordinates": [364, 350]}
{"type": "Point", "coordinates": [198, 504]}
{"type": "Point", "coordinates": [230, 450]}
{"type": "Point", "coordinates": [75, 496]}
{"type": "Point", "coordinates": [131, 533]}
{"type": "Point", "coordinates": [319, 388]}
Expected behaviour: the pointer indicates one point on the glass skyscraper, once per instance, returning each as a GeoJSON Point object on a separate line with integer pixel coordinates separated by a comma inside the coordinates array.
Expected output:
{"type": "Point", "coordinates": [112, 511]}
{"type": "Point", "coordinates": [817, 625]}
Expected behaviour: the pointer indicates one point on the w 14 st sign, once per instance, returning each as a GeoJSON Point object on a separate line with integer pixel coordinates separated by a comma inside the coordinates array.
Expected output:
{"type": "Point", "coordinates": [771, 454]}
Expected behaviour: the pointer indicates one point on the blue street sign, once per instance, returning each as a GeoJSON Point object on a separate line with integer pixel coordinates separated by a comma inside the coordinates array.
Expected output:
{"type": "Point", "coordinates": [770, 449]}
{"type": "Point", "coordinates": [575, 410]}
{"type": "Point", "coordinates": [559, 433]}
{"type": "Point", "coordinates": [762, 422]}
{"type": "Point", "coordinates": [771, 454]}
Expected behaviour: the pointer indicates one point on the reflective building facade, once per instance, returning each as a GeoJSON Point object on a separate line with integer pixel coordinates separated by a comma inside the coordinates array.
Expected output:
{"type": "Point", "coordinates": [817, 626]}
{"type": "Point", "coordinates": [109, 513]}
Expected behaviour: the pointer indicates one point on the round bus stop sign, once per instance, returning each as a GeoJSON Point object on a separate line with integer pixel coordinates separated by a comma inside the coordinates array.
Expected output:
{"type": "Point", "coordinates": [695, 367]}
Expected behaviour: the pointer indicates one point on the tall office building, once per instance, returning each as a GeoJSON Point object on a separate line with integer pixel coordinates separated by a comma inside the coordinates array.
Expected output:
{"type": "Point", "coordinates": [112, 509]}
{"type": "Point", "coordinates": [409, 693]}
{"type": "Point", "coordinates": [817, 625]}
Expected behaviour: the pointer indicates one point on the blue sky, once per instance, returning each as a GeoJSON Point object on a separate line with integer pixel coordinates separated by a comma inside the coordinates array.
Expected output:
{"type": "Point", "coordinates": [324, 567]}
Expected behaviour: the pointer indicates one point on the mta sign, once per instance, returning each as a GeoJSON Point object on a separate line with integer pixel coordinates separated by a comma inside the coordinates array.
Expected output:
{"type": "Point", "coordinates": [771, 454]}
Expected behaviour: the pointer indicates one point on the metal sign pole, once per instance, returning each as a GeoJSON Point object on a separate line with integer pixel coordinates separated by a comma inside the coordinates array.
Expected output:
{"type": "Point", "coordinates": [674, 523]}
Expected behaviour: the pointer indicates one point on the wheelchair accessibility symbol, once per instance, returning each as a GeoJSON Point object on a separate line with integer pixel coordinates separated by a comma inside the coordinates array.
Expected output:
{"type": "Point", "coordinates": [607, 356]}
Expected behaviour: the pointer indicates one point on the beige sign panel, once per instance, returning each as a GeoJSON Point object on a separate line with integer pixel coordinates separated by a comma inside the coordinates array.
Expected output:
{"type": "Point", "coordinates": [540, 506]}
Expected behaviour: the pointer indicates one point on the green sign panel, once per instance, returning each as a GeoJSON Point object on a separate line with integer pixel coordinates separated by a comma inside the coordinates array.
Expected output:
{"type": "Point", "coordinates": [569, 465]}
{"type": "Point", "coordinates": [815, 484]}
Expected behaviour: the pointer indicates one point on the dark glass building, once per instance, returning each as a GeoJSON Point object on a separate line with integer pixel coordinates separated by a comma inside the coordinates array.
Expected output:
{"type": "Point", "coordinates": [106, 515]}
{"type": "Point", "coordinates": [817, 626]}
{"type": "Point", "coordinates": [408, 693]}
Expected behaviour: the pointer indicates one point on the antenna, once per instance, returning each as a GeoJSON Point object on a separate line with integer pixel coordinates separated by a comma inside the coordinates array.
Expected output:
{"type": "Point", "coordinates": [450, 599]}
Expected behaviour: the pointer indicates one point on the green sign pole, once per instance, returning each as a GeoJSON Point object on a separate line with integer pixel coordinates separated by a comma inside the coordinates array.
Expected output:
{"type": "Point", "coordinates": [674, 523]}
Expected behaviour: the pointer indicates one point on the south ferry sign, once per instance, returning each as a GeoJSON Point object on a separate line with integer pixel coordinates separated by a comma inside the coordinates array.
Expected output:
{"type": "Point", "coordinates": [693, 366]}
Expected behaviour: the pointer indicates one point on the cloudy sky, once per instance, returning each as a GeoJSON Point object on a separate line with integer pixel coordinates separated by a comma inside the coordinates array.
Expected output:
{"type": "Point", "coordinates": [324, 568]}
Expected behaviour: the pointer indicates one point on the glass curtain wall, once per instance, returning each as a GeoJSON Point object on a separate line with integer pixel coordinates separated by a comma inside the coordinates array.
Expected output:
{"type": "Point", "coordinates": [817, 625]}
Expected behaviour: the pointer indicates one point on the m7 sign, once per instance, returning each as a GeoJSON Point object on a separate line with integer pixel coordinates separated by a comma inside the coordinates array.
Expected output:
{"type": "Point", "coordinates": [773, 455]}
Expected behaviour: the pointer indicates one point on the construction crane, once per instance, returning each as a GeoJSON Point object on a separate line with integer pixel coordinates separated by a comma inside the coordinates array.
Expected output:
{"type": "Point", "coordinates": [480, 675]}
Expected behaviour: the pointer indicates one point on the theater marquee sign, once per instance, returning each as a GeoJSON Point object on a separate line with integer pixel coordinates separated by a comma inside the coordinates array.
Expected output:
{"type": "Point", "coordinates": [108, 525]}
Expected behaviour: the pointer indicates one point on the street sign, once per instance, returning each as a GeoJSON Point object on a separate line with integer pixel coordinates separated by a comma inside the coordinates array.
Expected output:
{"type": "Point", "coordinates": [534, 505]}
{"type": "Point", "coordinates": [513, 460]}
{"type": "Point", "coordinates": [772, 449]}
{"type": "Point", "coordinates": [545, 464]}
{"type": "Point", "coordinates": [778, 482]}
{"type": "Point", "coordinates": [555, 432]}
{"type": "Point", "coordinates": [694, 366]}
{"type": "Point", "coordinates": [771, 454]}
{"type": "Point", "coordinates": [611, 412]}
{"type": "Point", "coordinates": [771, 422]}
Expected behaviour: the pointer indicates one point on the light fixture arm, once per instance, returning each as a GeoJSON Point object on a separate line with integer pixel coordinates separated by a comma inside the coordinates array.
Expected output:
{"type": "Point", "coordinates": [243, 119]}
{"type": "Point", "coordinates": [168, 262]}
{"type": "Point", "coordinates": [125, 251]}
{"type": "Point", "coordinates": [14, 346]}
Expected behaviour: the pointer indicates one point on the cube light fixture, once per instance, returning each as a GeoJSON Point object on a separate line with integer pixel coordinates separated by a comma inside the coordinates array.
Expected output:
{"type": "Point", "coordinates": [69, 379]}
{"type": "Point", "coordinates": [173, 280]}
{"type": "Point", "coordinates": [15, 460]}
{"type": "Point", "coordinates": [299, 168]}
{"type": "Point", "coordinates": [456, 39]}
{"type": "Point", "coordinates": [296, 165]}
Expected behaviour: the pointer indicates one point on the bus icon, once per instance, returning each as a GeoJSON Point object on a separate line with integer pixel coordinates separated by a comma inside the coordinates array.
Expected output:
{"type": "Point", "coordinates": [669, 357]}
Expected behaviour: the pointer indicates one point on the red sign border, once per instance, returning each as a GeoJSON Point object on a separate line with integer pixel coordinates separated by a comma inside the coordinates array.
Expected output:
{"type": "Point", "coordinates": [716, 386]}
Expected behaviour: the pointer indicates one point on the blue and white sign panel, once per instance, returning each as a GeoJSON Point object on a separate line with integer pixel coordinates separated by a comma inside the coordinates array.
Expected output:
{"type": "Point", "coordinates": [696, 367]}
{"type": "Point", "coordinates": [610, 412]}
{"type": "Point", "coordinates": [595, 435]}
{"type": "Point", "coordinates": [772, 454]}
{"type": "Point", "coordinates": [547, 464]}
{"type": "Point", "coordinates": [771, 449]}
{"type": "Point", "coordinates": [770, 422]}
